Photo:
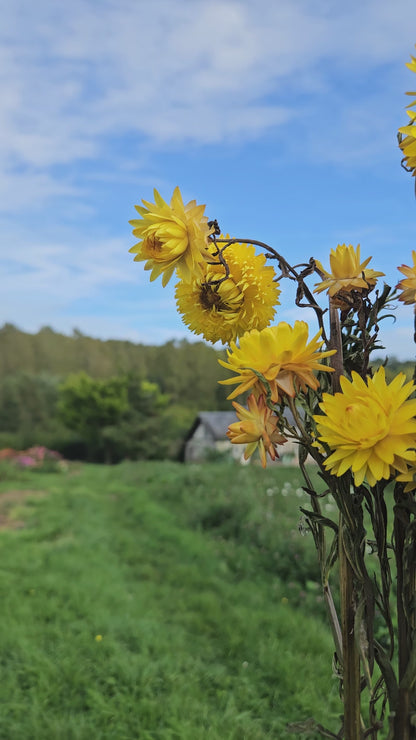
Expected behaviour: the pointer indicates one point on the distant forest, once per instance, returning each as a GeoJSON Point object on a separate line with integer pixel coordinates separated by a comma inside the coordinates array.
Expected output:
{"type": "Point", "coordinates": [35, 370]}
{"type": "Point", "coordinates": [106, 400]}
{"type": "Point", "coordinates": [187, 371]}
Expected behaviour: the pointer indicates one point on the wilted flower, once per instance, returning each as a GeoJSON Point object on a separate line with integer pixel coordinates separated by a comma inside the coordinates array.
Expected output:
{"type": "Point", "coordinates": [347, 275]}
{"type": "Point", "coordinates": [370, 426]}
{"type": "Point", "coordinates": [172, 237]}
{"type": "Point", "coordinates": [224, 302]}
{"type": "Point", "coordinates": [257, 428]}
{"type": "Point", "coordinates": [281, 355]}
{"type": "Point", "coordinates": [408, 284]}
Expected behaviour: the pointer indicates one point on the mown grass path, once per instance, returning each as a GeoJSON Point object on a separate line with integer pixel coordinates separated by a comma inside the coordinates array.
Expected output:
{"type": "Point", "coordinates": [146, 601]}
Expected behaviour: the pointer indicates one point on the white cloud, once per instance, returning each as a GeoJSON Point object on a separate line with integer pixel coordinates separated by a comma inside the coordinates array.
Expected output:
{"type": "Point", "coordinates": [93, 285]}
{"type": "Point", "coordinates": [45, 279]}
{"type": "Point", "coordinates": [77, 77]}
{"type": "Point", "coordinates": [206, 71]}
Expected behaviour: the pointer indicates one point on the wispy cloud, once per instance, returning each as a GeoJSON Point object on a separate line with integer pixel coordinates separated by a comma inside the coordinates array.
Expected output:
{"type": "Point", "coordinates": [85, 84]}
{"type": "Point", "coordinates": [44, 279]}
{"type": "Point", "coordinates": [74, 74]}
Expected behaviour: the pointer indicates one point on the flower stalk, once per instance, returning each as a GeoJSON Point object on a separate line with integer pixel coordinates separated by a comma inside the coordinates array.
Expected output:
{"type": "Point", "coordinates": [406, 601]}
{"type": "Point", "coordinates": [351, 685]}
{"type": "Point", "coordinates": [350, 657]}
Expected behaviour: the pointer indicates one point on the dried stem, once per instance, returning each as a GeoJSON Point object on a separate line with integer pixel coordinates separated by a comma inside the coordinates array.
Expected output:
{"type": "Point", "coordinates": [287, 271]}
{"type": "Point", "coordinates": [350, 651]}
{"type": "Point", "coordinates": [335, 342]}
{"type": "Point", "coordinates": [401, 712]}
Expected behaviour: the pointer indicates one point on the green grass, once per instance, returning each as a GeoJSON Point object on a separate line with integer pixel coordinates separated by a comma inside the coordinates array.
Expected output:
{"type": "Point", "coordinates": [198, 582]}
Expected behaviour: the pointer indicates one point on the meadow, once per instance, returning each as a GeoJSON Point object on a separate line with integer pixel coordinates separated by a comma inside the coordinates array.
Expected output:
{"type": "Point", "coordinates": [157, 601]}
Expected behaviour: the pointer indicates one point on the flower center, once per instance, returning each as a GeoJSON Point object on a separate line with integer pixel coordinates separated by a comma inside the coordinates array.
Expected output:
{"type": "Point", "coordinates": [209, 297]}
{"type": "Point", "coordinates": [154, 244]}
{"type": "Point", "coordinates": [365, 424]}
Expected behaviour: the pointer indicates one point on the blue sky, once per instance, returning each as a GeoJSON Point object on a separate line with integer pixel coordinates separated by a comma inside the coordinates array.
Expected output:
{"type": "Point", "coordinates": [280, 116]}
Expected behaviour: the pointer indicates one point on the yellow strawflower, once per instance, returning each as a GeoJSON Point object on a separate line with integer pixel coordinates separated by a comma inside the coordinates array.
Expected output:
{"type": "Point", "coordinates": [407, 134]}
{"type": "Point", "coordinates": [408, 284]}
{"type": "Point", "coordinates": [281, 354]}
{"type": "Point", "coordinates": [257, 428]}
{"type": "Point", "coordinates": [223, 305]}
{"type": "Point", "coordinates": [347, 274]}
{"type": "Point", "coordinates": [370, 427]}
{"type": "Point", "coordinates": [172, 237]}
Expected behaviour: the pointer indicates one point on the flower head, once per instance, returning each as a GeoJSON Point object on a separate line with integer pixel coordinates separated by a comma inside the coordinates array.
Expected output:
{"type": "Point", "coordinates": [369, 426]}
{"type": "Point", "coordinates": [407, 134]}
{"type": "Point", "coordinates": [257, 427]}
{"type": "Point", "coordinates": [226, 300]}
{"type": "Point", "coordinates": [280, 354]}
{"type": "Point", "coordinates": [347, 275]}
{"type": "Point", "coordinates": [408, 284]}
{"type": "Point", "coordinates": [172, 237]}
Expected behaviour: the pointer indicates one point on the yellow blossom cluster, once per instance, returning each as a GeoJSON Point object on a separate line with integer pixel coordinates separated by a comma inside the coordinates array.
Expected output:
{"type": "Point", "coordinates": [226, 292]}
{"type": "Point", "coordinates": [273, 364]}
{"type": "Point", "coordinates": [229, 297]}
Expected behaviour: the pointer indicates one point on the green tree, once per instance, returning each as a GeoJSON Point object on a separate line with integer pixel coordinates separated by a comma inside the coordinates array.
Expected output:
{"type": "Point", "coordinates": [90, 407]}
{"type": "Point", "coordinates": [27, 408]}
{"type": "Point", "coordinates": [140, 432]}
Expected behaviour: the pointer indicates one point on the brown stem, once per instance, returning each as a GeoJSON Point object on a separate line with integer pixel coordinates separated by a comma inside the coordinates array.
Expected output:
{"type": "Point", "coordinates": [287, 271]}
{"type": "Point", "coordinates": [401, 521]}
{"type": "Point", "coordinates": [350, 652]}
{"type": "Point", "coordinates": [401, 721]}
{"type": "Point", "coordinates": [414, 318]}
{"type": "Point", "coordinates": [333, 618]}
{"type": "Point", "coordinates": [286, 268]}
{"type": "Point", "coordinates": [335, 342]}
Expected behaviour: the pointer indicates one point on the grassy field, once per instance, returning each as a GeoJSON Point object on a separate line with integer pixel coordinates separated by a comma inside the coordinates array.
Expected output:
{"type": "Point", "coordinates": [157, 601]}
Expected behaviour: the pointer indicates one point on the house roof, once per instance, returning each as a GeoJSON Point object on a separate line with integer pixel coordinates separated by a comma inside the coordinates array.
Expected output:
{"type": "Point", "coordinates": [217, 423]}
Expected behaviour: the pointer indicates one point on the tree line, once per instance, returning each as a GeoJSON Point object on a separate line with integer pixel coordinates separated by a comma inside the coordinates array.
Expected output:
{"type": "Point", "coordinates": [103, 400]}
{"type": "Point", "coordinates": [108, 400]}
